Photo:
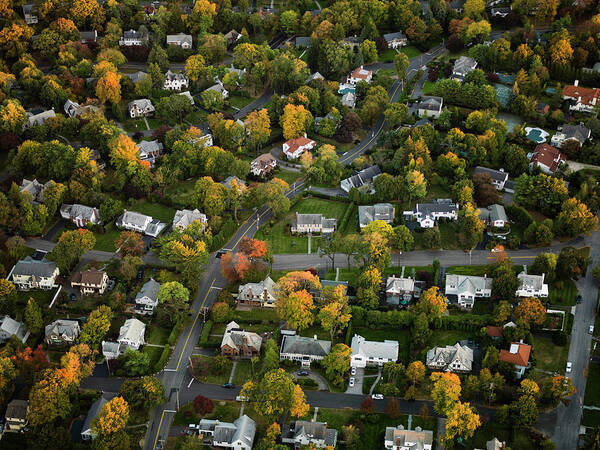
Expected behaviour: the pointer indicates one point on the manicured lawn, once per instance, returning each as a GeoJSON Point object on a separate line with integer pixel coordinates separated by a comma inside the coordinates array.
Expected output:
{"type": "Point", "coordinates": [548, 356]}
{"type": "Point", "coordinates": [428, 87]}
{"type": "Point", "coordinates": [208, 375]}
{"type": "Point", "coordinates": [449, 232]}
{"type": "Point", "coordinates": [477, 271]}
{"type": "Point", "coordinates": [367, 383]}
{"type": "Point", "coordinates": [441, 338]}
{"type": "Point", "coordinates": [181, 192]}
{"type": "Point", "coordinates": [106, 241]}
{"type": "Point", "coordinates": [239, 101]}
{"type": "Point", "coordinates": [224, 411]}
{"type": "Point", "coordinates": [566, 295]}
{"type": "Point", "coordinates": [316, 330]}
{"type": "Point", "coordinates": [154, 353]}
{"type": "Point", "coordinates": [158, 335]}
{"type": "Point", "coordinates": [592, 388]}
{"type": "Point", "coordinates": [279, 238]}
{"type": "Point", "coordinates": [288, 176]}
{"type": "Point", "coordinates": [381, 334]}
{"type": "Point", "coordinates": [390, 53]}
{"type": "Point", "coordinates": [41, 297]}
{"type": "Point", "coordinates": [156, 210]}
{"type": "Point", "coordinates": [256, 315]}
{"type": "Point", "coordinates": [197, 116]}
{"type": "Point", "coordinates": [243, 372]}
{"type": "Point", "coordinates": [411, 51]}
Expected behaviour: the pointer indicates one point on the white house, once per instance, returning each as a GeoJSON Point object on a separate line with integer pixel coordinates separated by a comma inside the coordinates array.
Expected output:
{"type": "Point", "coordinates": [452, 358]}
{"type": "Point", "coordinates": [10, 327]}
{"type": "Point", "coordinates": [150, 151]}
{"type": "Point", "coordinates": [399, 290]}
{"type": "Point", "coordinates": [140, 108]}
{"type": "Point", "coordinates": [427, 214]}
{"type": "Point", "coordinates": [372, 353]}
{"type": "Point", "coordinates": [395, 40]}
{"type": "Point", "coordinates": [531, 285]}
{"type": "Point", "coordinates": [73, 109]}
{"type": "Point", "coordinates": [132, 38]}
{"type": "Point", "coordinates": [430, 106]}
{"type": "Point", "coordinates": [219, 89]}
{"type": "Point", "coordinates": [313, 223]}
{"type": "Point", "coordinates": [295, 147]}
{"type": "Point", "coordinates": [349, 99]}
{"type": "Point", "coordinates": [363, 178]}
{"type": "Point", "coordinates": [493, 216]}
{"type": "Point", "coordinates": [131, 334]}
{"type": "Point", "coordinates": [302, 433]}
{"type": "Point", "coordinates": [466, 288]}
{"type": "Point", "coordinates": [184, 217]}
{"type": "Point", "coordinates": [257, 294]}
{"type": "Point", "coordinates": [360, 74]}
{"type": "Point", "coordinates": [147, 299]}
{"type": "Point", "coordinates": [31, 273]}
{"type": "Point", "coordinates": [571, 133]}
{"type": "Point", "coordinates": [303, 349]}
{"type": "Point", "coordinates": [499, 177]}
{"type": "Point", "coordinates": [379, 211]}
{"type": "Point", "coordinates": [88, 37]}
{"type": "Point", "coordinates": [397, 438]}
{"type": "Point", "coordinates": [238, 435]}
{"type": "Point", "coordinates": [580, 98]}
{"type": "Point", "coordinates": [462, 67]}
{"type": "Point", "coordinates": [517, 354]}
{"type": "Point", "coordinates": [133, 221]}
{"type": "Point", "coordinates": [176, 81]}
{"type": "Point", "coordinates": [80, 215]}
{"type": "Point", "coordinates": [39, 118]}
{"type": "Point", "coordinates": [181, 40]}
{"type": "Point", "coordinates": [263, 165]}
{"type": "Point", "coordinates": [86, 430]}
{"type": "Point", "coordinates": [90, 282]}
{"type": "Point", "coordinates": [30, 14]}
{"type": "Point", "coordinates": [62, 331]}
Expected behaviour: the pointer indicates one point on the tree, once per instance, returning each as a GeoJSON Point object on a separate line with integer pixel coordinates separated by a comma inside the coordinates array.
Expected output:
{"type": "Point", "coordinates": [174, 297]}
{"type": "Point", "coordinates": [194, 67]}
{"type": "Point", "coordinates": [275, 394]}
{"type": "Point", "coordinates": [220, 312]}
{"type": "Point", "coordinates": [296, 309]}
{"type": "Point", "coordinates": [203, 405]}
{"type": "Point", "coordinates": [575, 218]}
{"type": "Point", "coordinates": [415, 372]}
{"type": "Point", "coordinates": [337, 363]}
{"type": "Point", "coordinates": [561, 387]}
{"type": "Point", "coordinates": [8, 373]}
{"type": "Point", "coordinates": [367, 405]}
{"type": "Point", "coordinates": [392, 408]}
{"type": "Point", "coordinates": [368, 50]}
{"type": "Point", "coordinates": [33, 316]}
{"type": "Point", "coordinates": [108, 88]}
{"type": "Point", "coordinates": [502, 312]}
{"type": "Point", "coordinates": [129, 267]}
{"type": "Point", "coordinates": [474, 8]}
{"type": "Point", "coordinates": [96, 326]}
{"type": "Point", "coordinates": [432, 303]}
{"type": "Point", "coordinates": [70, 247]}
{"type": "Point", "coordinates": [16, 247]}
{"type": "Point", "coordinates": [462, 421]}
{"type": "Point", "coordinates": [335, 315]}
{"type": "Point", "coordinates": [288, 21]}
{"type": "Point", "coordinates": [505, 281]}
{"type": "Point", "coordinates": [525, 410]}
{"type": "Point", "coordinates": [109, 425]}
{"type": "Point", "coordinates": [295, 121]}
{"type": "Point", "coordinates": [531, 311]}
{"type": "Point", "coordinates": [401, 62]}
{"type": "Point", "coordinates": [395, 115]}
{"type": "Point", "coordinates": [416, 185]}
{"type": "Point", "coordinates": [12, 116]}
{"type": "Point", "coordinates": [202, 17]}
{"type": "Point", "coordinates": [136, 363]}
{"type": "Point", "coordinates": [445, 392]}
{"type": "Point", "coordinates": [130, 243]}
{"type": "Point", "coordinates": [49, 398]}
{"type": "Point", "coordinates": [470, 227]}
{"type": "Point", "coordinates": [143, 393]}
{"type": "Point", "coordinates": [258, 128]}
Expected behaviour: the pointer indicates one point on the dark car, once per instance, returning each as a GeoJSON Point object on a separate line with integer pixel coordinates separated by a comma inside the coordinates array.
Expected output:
{"type": "Point", "coordinates": [140, 274]}
{"type": "Point", "coordinates": [73, 296]}
{"type": "Point", "coordinates": [228, 386]}
{"type": "Point", "coordinates": [219, 254]}
{"type": "Point", "coordinates": [579, 298]}
{"type": "Point", "coordinates": [302, 373]}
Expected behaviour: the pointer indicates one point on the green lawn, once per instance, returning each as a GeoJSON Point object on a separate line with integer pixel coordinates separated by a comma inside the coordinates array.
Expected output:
{"type": "Point", "coordinates": [566, 295]}
{"type": "Point", "coordinates": [197, 116]}
{"type": "Point", "coordinates": [548, 356]}
{"type": "Point", "coordinates": [477, 271]}
{"type": "Point", "coordinates": [224, 411]}
{"type": "Point", "coordinates": [288, 176]}
{"type": "Point", "coordinates": [428, 87]}
{"type": "Point", "coordinates": [279, 238]}
{"type": "Point", "coordinates": [181, 192]}
{"type": "Point", "coordinates": [381, 334]}
{"type": "Point", "coordinates": [154, 353]}
{"type": "Point", "coordinates": [239, 101]}
{"type": "Point", "coordinates": [106, 241]}
{"type": "Point", "coordinates": [243, 372]}
{"type": "Point", "coordinates": [156, 210]}
{"type": "Point", "coordinates": [390, 53]}
{"type": "Point", "coordinates": [441, 338]}
{"type": "Point", "coordinates": [158, 335]}
{"type": "Point", "coordinates": [209, 376]}
{"type": "Point", "coordinates": [449, 232]}
{"type": "Point", "coordinates": [592, 388]}
{"type": "Point", "coordinates": [514, 437]}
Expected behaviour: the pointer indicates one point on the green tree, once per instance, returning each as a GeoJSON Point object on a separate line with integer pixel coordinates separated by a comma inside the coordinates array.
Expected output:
{"type": "Point", "coordinates": [143, 393]}
{"type": "Point", "coordinates": [174, 297]}
{"type": "Point", "coordinates": [401, 62]}
{"type": "Point", "coordinates": [136, 363]}
{"type": "Point", "coordinates": [33, 316]}
{"type": "Point", "coordinates": [337, 363]}
{"type": "Point", "coordinates": [96, 326]}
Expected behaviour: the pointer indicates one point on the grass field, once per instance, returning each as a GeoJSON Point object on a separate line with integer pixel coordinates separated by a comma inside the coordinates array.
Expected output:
{"type": "Point", "coordinates": [428, 87]}
{"type": "Point", "coordinates": [592, 388]}
{"type": "Point", "coordinates": [281, 241]}
{"type": "Point", "coordinates": [238, 101]}
{"type": "Point", "coordinates": [548, 356]}
{"type": "Point", "coordinates": [441, 338]}
{"type": "Point", "coordinates": [390, 53]}
{"type": "Point", "coordinates": [288, 176]}
{"type": "Point", "coordinates": [477, 271]}
{"type": "Point", "coordinates": [567, 295]}
{"type": "Point", "coordinates": [181, 192]}
{"type": "Point", "coordinates": [106, 241]}
{"type": "Point", "coordinates": [156, 210]}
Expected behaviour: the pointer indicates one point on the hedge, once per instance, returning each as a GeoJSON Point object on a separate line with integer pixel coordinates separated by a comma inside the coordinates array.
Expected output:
{"type": "Point", "coordinates": [519, 215]}
{"type": "Point", "coordinates": [227, 230]}
{"type": "Point", "coordinates": [206, 329]}
{"type": "Point", "coordinates": [164, 358]}
{"type": "Point", "coordinates": [174, 333]}
{"type": "Point", "coordinates": [337, 198]}
{"type": "Point", "coordinates": [346, 217]}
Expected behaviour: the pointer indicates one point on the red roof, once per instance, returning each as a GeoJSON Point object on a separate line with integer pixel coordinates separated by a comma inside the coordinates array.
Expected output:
{"type": "Point", "coordinates": [493, 331]}
{"type": "Point", "coordinates": [520, 357]}
{"type": "Point", "coordinates": [361, 73]}
{"type": "Point", "coordinates": [588, 96]}
{"type": "Point", "coordinates": [295, 144]}
{"type": "Point", "coordinates": [548, 156]}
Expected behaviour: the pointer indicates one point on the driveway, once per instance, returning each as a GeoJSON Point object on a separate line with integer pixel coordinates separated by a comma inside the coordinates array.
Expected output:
{"type": "Point", "coordinates": [322, 382]}
{"type": "Point", "coordinates": [358, 383]}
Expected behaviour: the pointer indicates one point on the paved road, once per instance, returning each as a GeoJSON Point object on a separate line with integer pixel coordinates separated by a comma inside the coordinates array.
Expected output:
{"type": "Point", "coordinates": [256, 104]}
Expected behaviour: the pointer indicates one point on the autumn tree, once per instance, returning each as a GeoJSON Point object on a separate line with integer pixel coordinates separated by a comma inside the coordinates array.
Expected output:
{"type": "Point", "coordinates": [203, 405]}
{"type": "Point", "coordinates": [49, 399]}
{"type": "Point", "coordinates": [108, 88]}
{"type": "Point", "coordinates": [70, 248]}
{"type": "Point", "coordinates": [392, 409]}
{"type": "Point", "coordinates": [560, 388]}
{"type": "Point", "coordinates": [12, 116]}
{"type": "Point", "coordinates": [470, 226]}
{"type": "Point", "coordinates": [8, 373]}
{"type": "Point", "coordinates": [194, 67]}
{"type": "Point", "coordinates": [367, 405]}
{"type": "Point", "coordinates": [129, 267]}
{"type": "Point", "coordinates": [130, 243]}
{"type": "Point", "coordinates": [502, 312]}
{"type": "Point", "coordinates": [445, 392]}
{"type": "Point", "coordinates": [96, 326]}
{"type": "Point", "coordinates": [401, 63]}
{"type": "Point", "coordinates": [143, 393]}
{"type": "Point", "coordinates": [335, 315]}
{"type": "Point", "coordinates": [258, 128]}
{"type": "Point", "coordinates": [187, 253]}
{"type": "Point", "coordinates": [109, 425]}
{"type": "Point", "coordinates": [174, 298]}
{"type": "Point", "coordinates": [415, 372]}
{"type": "Point", "coordinates": [560, 49]}
{"type": "Point", "coordinates": [531, 310]}
{"type": "Point", "coordinates": [296, 309]}
{"type": "Point", "coordinates": [33, 316]}
{"type": "Point", "coordinates": [337, 363]}
{"type": "Point", "coordinates": [295, 121]}
{"type": "Point", "coordinates": [575, 218]}
{"type": "Point", "coordinates": [432, 303]}
{"type": "Point", "coordinates": [462, 421]}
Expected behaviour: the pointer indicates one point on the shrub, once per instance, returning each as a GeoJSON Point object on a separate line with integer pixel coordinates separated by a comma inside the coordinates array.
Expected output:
{"type": "Point", "coordinates": [205, 332]}
{"type": "Point", "coordinates": [559, 338]}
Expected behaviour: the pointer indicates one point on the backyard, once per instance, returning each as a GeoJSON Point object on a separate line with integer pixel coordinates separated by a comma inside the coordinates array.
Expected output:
{"type": "Point", "coordinates": [563, 292]}
{"type": "Point", "coordinates": [390, 53]}
{"type": "Point", "coordinates": [549, 357]}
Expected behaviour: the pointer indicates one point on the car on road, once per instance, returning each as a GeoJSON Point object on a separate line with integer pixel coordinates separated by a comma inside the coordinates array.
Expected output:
{"type": "Point", "coordinates": [377, 396]}
{"type": "Point", "coordinates": [228, 386]}
{"type": "Point", "coordinates": [351, 382]}
{"type": "Point", "coordinates": [219, 254]}
{"type": "Point", "coordinates": [302, 373]}
{"type": "Point", "coordinates": [569, 367]}
{"type": "Point", "coordinates": [579, 299]}
{"type": "Point", "coordinates": [353, 371]}
{"type": "Point", "coordinates": [591, 329]}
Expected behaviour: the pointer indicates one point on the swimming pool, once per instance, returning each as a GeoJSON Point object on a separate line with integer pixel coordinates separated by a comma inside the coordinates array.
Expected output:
{"type": "Point", "coordinates": [536, 134]}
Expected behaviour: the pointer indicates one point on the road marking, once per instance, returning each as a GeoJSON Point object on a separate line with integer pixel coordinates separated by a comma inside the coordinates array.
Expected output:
{"type": "Point", "coordinates": [193, 324]}
{"type": "Point", "coordinates": [170, 370]}
{"type": "Point", "coordinates": [216, 287]}
{"type": "Point", "coordinates": [515, 257]}
{"type": "Point", "coordinates": [158, 431]}
{"type": "Point", "coordinates": [170, 411]}
{"type": "Point", "coordinates": [190, 383]}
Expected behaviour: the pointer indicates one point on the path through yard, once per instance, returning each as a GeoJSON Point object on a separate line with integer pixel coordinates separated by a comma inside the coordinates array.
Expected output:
{"type": "Point", "coordinates": [232, 372]}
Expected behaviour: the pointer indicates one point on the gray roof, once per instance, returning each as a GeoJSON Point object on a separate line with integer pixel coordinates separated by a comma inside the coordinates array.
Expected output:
{"type": "Point", "coordinates": [242, 429]}
{"type": "Point", "coordinates": [13, 328]}
{"type": "Point", "coordinates": [77, 210]}
{"type": "Point", "coordinates": [142, 103]}
{"type": "Point", "coordinates": [579, 132]}
{"type": "Point", "coordinates": [387, 349]}
{"type": "Point", "coordinates": [149, 289]}
{"type": "Point", "coordinates": [468, 283]}
{"type": "Point", "coordinates": [258, 288]}
{"type": "Point", "coordinates": [305, 346]}
{"type": "Point", "coordinates": [301, 430]}
{"type": "Point", "coordinates": [379, 211]}
{"type": "Point", "coordinates": [65, 327]}
{"type": "Point", "coordinates": [528, 281]}
{"type": "Point", "coordinates": [497, 175]}
{"type": "Point", "coordinates": [218, 87]}
{"type": "Point", "coordinates": [302, 41]}
{"type": "Point", "coordinates": [179, 38]}
{"type": "Point", "coordinates": [40, 118]}
{"type": "Point", "coordinates": [315, 76]}
{"type": "Point", "coordinates": [493, 213]}
{"type": "Point", "coordinates": [397, 285]}
{"type": "Point", "coordinates": [31, 267]}
{"type": "Point", "coordinates": [132, 329]}
{"type": "Point", "coordinates": [446, 355]}
{"type": "Point", "coordinates": [228, 180]}
{"type": "Point", "coordinates": [17, 409]}
{"type": "Point", "coordinates": [174, 76]}
{"type": "Point", "coordinates": [95, 409]}
{"type": "Point", "coordinates": [457, 4]}
{"type": "Point", "coordinates": [236, 338]}
{"type": "Point", "coordinates": [135, 77]}
{"type": "Point", "coordinates": [464, 64]}
{"type": "Point", "coordinates": [431, 103]}
{"type": "Point", "coordinates": [393, 36]}
{"type": "Point", "coordinates": [132, 34]}
{"type": "Point", "coordinates": [184, 217]}
{"type": "Point", "coordinates": [89, 35]}
{"type": "Point", "coordinates": [149, 146]}
{"type": "Point", "coordinates": [364, 176]}
{"type": "Point", "coordinates": [134, 218]}
{"type": "Point", "coordinates": [436, 207]}
{"type": "Point", "coordinates": [399, 436]}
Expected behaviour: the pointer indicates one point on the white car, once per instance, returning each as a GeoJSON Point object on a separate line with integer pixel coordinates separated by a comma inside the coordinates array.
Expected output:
{"type": "Point", "coordinates": [351, 382]}
{"type": "Point", "coordinates": [353, 371]}
{"type": "Point", "coordinates": [591, 329]}
{"type": "Point", "coordinates": [569, 367]}
{"type": "Point", "coordinates": [377, 396]}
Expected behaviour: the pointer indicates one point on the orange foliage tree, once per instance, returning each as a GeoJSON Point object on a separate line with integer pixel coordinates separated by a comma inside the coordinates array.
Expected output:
{"type": "Point", "coordinates": [253, 248]}
{"type": "Point", "coordinates": [531, 310]}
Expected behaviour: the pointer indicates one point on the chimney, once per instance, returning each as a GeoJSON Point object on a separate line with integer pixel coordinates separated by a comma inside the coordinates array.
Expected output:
{"type": "Point", "coordinates": [315, 337]}
{"type": "Point", "coordinates": [576, 83]}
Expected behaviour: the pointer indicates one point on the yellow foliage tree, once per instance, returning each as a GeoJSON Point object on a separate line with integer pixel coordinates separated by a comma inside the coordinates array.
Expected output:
{"type": "Point", "coordinates": [462, 421]}
{"type": "Point", "coordinates": [108, 88]}
{"type": "Point", "coordinates": [122, 151]}
{"type": "Point", "coordinates": [445, 392]}
{"type": "Point", "coordinates": [194, 66]}
{"type": "Point", "coordinates": [112, 417]}
{"type": "Point", "coordinates": [295, 121]}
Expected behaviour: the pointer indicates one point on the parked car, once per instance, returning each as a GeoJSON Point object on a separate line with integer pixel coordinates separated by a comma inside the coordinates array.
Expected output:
{"type": "Point", "coordinates": [579, 298]}
{"type": "Point", "coordinates": [591, 329]}
{"type": "Point", "coordinates": [73, 296]}
{"type": "Point", "coordinates": [377, 396]}
{"type": "Point", "coordinates": [353, 371]}
{"type": "Point", "coordinates": [302, 373]}
{"type": "Point", "coordinates": [352, 382]}
{"type": "Point", "coordinates": [241, 398]}
{"type": "Point", "coordinates": [187, 432]}
{"type": "Point", "coordinates": [569, 367]}
{"type": "Point", "coordinates": [228, 386]}
{"type": "Point", "coordinates": [140, 274]}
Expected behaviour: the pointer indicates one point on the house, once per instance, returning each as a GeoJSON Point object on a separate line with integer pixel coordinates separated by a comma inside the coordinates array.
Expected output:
{"type": "Point", "coordinates": [399, 290]}
{"type": "Point", "coordinates": [360, 74]}
{"type": "Point", "coordinates": [353, 42]}
{"type": "Point", "coordinates": [363, 178]}
{"type": "Point", "coordinates": [232, 37]}
{"type": "Point", "coordinates": [180, 40]}
{"type": "Point", "coordinates": [88, 37]}
{"type": "Point", "coordinates": [184, 217]}
{"type": "Point", "coordinates": [430, 106]}
{"type": "Point", "coordinates": [395, 40]}
{"type": "Point", "coordinates": [542, 108]}
{"type": "Point", "coordinates": [304, 433]}
{"type": "Point", "coordinates": [314, 76]}
{"type": "Point", "coordinates": [303, 349]}
{"type": "Point", "coordinates": [135, 77]}
{"type": "Point", "coordinates": [240, 343]}
{"type": "Point", "coordinates": [371, 353]}
{"type": "Point", "coordinates": [176, 81]}
{"type": "Point", "coordinates": [263, 165]}
{"type": "Point", "coordinates": [427, 214]}
{"type": "Point", "coordinates": [257, 294]}
{"type": "Point", "coordinates": [501, 12]}
{"type": "Point", "coordinates": [96, 157]}
{"type": "Point", "coordinates": [35, 189]}
{"type": "Point", "coordinates": [379, 211]}
{"type": "Point", "coordinates": [494, 332]}
{"type": "Point", "coordinates": [31, 273]}
{"type": "Point", "coordinates": [73, 109]}
{"type": "Point", "coordinates": [80, 215]}
{"type": "Point", "coordinates": [16, 415]}
{"type": "Point", "coordinates": [219, 89]}
{"type": "Point", "coordinates": [313, 223]}
{"type": "Point", "coordinates": [452, 358]}
{"type": "Point", "coordinates": [397, 438]}
{"type": "Point", "coordinates": [457, 5]}
{"type": "Point", "coordinates": [39, 118]}
{"type": "Point", "coordinates": [90, 282]}
{"type": "Point", "coordinates": [499, 177]}
{"type": "Point", "coordinates": [301, 41]}
{"type": "Point", "coordinates": [466, 288]}
{"type": "Point", "coordinates": [132, 38]}
{"type": "Point", "coordinates": [188, 95]}
{"type": "Point", "coordinates": [531, 285]}
{"type": "Point", "coordinates": [62, 331]}
{"type": "Point", "coordinates": [581, 99]}
{"type": "Point", "coordinates": [495, 444]}
{"type": "Point", "coordinates": [131, 334]}
{"type": "Point", "coordinates": [547, 158]}
{"type": "Point", "coordinates": [10, 327]}
{"type": "Point", "coordinates": [200, 136]}
{"type": "Point", "coordinates": [517, 354]}
{"type": "Point", "coordinates": [86, 430]}
{"type": "Point", "coordinates": [150, 151]}
{"type": "Point", "coordinates": [140, 108]}
{"type": "Point", "coordinates": [228, 182]}
{"type": "Point", "coordinates": [238, 435]}
{"type": "Point", "coordinates": [462, 67]}
{"type": "Point", "coordinates": [30, 14]}
{"type": "Point", "coordinates": [147, 299]}
{"type": "Point", "coordinates": [349, 99]}
{"type": "Point", "coordinates": [133, 221]}
{"type": "Point", "coordinates": [571, 133]}
{"type": "Point", "coordinates": [295, 147]}
{"type": "Point", "coordinates": [493, 216]}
